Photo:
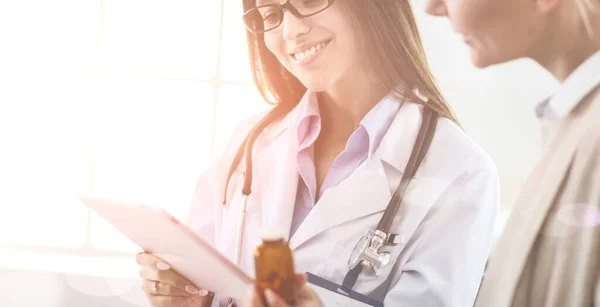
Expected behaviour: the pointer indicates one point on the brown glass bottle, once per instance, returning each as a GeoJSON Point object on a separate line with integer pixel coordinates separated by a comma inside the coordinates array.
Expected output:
{"type": "Point", "coordinates": [274, 266]}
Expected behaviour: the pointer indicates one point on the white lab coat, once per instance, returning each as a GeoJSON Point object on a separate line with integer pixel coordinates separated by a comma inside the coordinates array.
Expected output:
{"type": "Point", "coordinates": [445, 221]}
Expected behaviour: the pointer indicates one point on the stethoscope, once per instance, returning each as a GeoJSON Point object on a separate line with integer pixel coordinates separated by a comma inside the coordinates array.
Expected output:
{"type": "Point", "coordinates": [368, 251]}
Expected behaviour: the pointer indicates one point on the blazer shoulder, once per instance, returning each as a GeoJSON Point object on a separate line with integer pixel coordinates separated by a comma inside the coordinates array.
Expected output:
{"type": "Point", "coordinates": [586, 116]}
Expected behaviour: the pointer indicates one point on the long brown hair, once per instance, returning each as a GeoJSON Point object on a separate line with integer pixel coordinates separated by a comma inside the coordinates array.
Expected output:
{"type": "Point", "coordinates": [391, 44]}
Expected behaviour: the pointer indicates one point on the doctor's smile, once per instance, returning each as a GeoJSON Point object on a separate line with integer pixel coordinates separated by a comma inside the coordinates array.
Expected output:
{"type": "Point", "coordinates": [305, 54]}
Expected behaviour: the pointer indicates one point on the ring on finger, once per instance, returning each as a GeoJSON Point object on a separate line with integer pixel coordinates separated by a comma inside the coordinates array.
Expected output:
{"type": "Point", "coordinates": [155, 287]}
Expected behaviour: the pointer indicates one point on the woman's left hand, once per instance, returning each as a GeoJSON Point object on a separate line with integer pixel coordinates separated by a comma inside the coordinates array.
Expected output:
{"type": "Point", "coordinates": [305, 296]}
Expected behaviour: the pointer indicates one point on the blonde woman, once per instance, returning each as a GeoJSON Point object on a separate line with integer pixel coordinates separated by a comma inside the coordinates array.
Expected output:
{"type": "Point", "coordinates": [550, 252]}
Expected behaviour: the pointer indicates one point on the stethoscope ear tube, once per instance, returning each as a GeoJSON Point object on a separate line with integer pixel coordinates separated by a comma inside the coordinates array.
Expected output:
{"type": "Point", "coordinates": [247, 188]}
{"type": "Point", "coordinates": [240, 233]}
{"type": "Point", "coordinates": [278, 112]}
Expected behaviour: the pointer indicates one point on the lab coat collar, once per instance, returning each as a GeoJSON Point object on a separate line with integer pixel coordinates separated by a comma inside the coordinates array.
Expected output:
{"type": "Point", "coordinates": [290, 121]}
{"type": "Point", "coordinates": [378, 120]}
{"type": "Point", "coordinates": [370, 186]}
{"type": "Point", "coordinates": [396, 147]}
{"type": "Point", "coordinates": [277, 184]}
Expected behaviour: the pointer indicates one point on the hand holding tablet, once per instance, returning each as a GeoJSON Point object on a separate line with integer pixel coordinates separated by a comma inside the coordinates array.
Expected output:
{"type": "Point", "coordinates": [196, 263]}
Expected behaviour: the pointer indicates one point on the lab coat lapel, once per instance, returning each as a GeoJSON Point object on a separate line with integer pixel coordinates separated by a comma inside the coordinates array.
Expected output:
{"type": "Point", "coordinates": [365, 192]}
{"type": "Point", "coordinates": [396, 146]}
{"type": "Point", "coordinates": [425, 187]}
{"type": "Point", "coordinates": [368, 190]}
{"type": "Point", "coordinates": [277, 179]}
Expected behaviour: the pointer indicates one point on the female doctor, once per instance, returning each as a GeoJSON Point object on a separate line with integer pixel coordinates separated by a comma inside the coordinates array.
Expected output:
{"type": "Point", "coordinates": [349, 83]}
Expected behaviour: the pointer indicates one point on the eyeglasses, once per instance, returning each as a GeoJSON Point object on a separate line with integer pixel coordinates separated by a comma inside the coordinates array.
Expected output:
{"type": "Point", "coordinates": [267, 17]}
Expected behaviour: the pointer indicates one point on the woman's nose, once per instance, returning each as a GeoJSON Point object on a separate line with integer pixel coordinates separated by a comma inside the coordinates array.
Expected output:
{"type": "Point", "coordinates": [293, 26]}
{"type": "Point", "coordinates": [435, 8]}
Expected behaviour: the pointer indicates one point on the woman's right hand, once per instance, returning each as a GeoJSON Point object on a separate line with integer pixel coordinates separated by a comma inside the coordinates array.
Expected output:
{"type": "Point", "coordinates": [166, 288]}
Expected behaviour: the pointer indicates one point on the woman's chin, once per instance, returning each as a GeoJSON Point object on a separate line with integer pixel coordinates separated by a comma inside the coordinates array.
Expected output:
{"type": "Point", "coordinates": [315, 84]}
{"type": "Point", "coordinates": [483, 60]}
{"type": "Point", "coordinates": [480, 60]}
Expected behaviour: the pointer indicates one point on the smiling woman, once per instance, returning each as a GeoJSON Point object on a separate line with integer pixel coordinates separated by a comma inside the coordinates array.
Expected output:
{"type": "Point", "coordinates": [351, 94]}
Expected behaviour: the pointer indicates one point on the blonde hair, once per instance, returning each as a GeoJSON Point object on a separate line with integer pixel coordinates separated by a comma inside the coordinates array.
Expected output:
{"type": "Point", "coordinates": [586, 10]}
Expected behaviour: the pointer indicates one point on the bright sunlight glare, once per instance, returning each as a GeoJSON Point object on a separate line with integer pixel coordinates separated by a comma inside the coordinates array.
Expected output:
{"type": "Point", "coordinates": [117, 98]}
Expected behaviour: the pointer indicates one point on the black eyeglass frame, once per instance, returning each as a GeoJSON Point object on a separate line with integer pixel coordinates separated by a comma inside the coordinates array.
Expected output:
{"type": "Point", "coordinates": [281, 8]}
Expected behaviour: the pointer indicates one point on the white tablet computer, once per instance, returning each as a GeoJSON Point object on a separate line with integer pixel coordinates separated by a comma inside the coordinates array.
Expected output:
{"type": "Point", "coordinates": [160, 234]}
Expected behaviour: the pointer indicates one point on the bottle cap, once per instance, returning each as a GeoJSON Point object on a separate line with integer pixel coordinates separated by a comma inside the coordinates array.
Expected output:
{"type": "Point", "coordinates": [271, 234]}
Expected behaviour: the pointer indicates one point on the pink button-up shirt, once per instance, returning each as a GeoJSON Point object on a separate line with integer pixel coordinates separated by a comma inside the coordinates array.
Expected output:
{"type": "Point", "coordinates": [362, 143]}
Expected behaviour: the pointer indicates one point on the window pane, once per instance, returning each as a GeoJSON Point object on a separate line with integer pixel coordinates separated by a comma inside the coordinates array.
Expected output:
{"type": "Point", "coordinates": [154, 141]}
{"type": "Point", "coordinates": [174, 38]}
{"type": "Point", "coordinates": [234, 54]}
{"type": "Point", "coordinates": [235, 104]}
{"type": "Point", "coordinates": [45, 164]}
{"type": "Point", "coordinates": [45, 119]}
{"type": "Point", "coordinates": [47, 38]}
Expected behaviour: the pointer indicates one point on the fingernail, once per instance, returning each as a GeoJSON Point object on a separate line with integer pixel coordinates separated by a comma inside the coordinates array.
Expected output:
{"type": "Point", "coordinates": [191, 289]}
{"type": "Point", "coordinates": [202, 292]}
{"type": "Point", "coordinates": [271, 297]}
{"type": "Point", "coordinates": [163, 266]}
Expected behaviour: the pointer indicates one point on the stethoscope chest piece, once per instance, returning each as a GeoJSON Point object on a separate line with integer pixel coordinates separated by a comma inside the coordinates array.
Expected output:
{"type": "Point", "coordinates": [367, 252]}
